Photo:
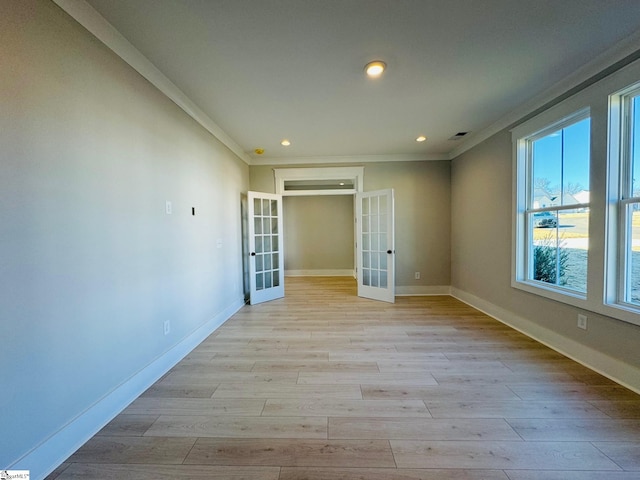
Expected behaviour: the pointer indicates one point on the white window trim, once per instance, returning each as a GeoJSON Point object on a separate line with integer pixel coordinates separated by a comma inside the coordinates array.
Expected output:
{"type": "Point", "coordinates": [356, 174]}
{"type": "Point", "coordinates": [523, 137]}
{"type": "Point", "coordinates": [604, 189]}
{"type": "Point", "coordinates": [618, 168]}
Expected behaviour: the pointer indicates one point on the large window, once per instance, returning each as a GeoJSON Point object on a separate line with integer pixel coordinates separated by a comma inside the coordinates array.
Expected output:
{"type": "Point", "coordinates": [553, 170]}
{"type": "Point", "coordinates": [576, 199]}
{"type": "Point", "coordinates": [628, 140]}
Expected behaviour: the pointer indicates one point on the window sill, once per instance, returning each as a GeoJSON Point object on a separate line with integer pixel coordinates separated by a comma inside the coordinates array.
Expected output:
{"type": "Point", "coordinates": [570, 297]}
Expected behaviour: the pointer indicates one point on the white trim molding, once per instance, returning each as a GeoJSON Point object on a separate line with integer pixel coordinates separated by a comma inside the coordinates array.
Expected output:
{"type": "Point", "coordinates": [612, 368]}
{"type": "Point", "coordinates": [283, 175]}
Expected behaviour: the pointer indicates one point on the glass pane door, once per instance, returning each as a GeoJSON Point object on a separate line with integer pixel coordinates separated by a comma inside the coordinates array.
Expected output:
{"type": "Point", "coordinates": [266, 263]}
{"type": "Point", "coordinates": [375, 246]}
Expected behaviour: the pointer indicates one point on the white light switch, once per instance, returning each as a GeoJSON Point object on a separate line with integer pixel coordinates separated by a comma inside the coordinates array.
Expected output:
{"type": "Point", "coordinates": [168, 207]}
{"type": "Point", "coordinates": [219, 243]}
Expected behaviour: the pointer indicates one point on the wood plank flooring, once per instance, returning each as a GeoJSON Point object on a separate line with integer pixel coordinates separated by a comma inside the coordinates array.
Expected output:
{"type": "Point", "coordinates": [323, 385]}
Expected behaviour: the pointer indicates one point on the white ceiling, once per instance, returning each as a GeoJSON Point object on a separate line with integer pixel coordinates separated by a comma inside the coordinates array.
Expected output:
{"type": "Point", "coordinates": [264, 70]}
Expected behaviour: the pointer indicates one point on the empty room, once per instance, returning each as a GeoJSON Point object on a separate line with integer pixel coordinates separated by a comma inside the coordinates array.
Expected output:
{"type": "Point", "coordinates": [323, 240]}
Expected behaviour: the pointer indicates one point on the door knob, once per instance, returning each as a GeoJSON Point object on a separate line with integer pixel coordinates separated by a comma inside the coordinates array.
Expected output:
{"type": "Point", "coordinates": [389, 252]}
{"type": "Point", "coordinates": [253, 254]}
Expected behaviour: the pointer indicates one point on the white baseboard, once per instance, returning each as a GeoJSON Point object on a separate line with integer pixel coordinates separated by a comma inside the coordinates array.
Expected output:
{"type": "Point", "coordinates": [47, 456]}
{"type": "Point", "coordinates": [320, 273]}
{"type": "Point", "coordinates": [422, 290]}
{"type": "Point", "coordinates": [612, 368]}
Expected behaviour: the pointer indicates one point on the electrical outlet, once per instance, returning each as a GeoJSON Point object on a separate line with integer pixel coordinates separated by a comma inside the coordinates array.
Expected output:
{"type": "Point", "coordinates": [167, 327]}
{"type": "Point", "coordinates": [417, 275]}
{"type": "Point", "coordinates": [582, 321]}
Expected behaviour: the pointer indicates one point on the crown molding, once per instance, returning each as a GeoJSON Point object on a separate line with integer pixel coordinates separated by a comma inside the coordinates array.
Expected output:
{"type": "Point", "coordinates": [349, 159]}
{"type": "Point", "coordinates": [613, 59]}
{"type": "Point", "coordinates": [99, 27]}
{"type": "Point", "coordinates": [604, 64]}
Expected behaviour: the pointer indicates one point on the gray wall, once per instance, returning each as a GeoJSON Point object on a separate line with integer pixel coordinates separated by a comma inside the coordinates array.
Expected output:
{"type": "Point", "coordinates": [481, 258]}
{"type": "Point", "coordinates": [423, 217]}
{"type": "Point", "coordinates": [318, 233]}
{"type": "Point", "coordinates": [91, 266]}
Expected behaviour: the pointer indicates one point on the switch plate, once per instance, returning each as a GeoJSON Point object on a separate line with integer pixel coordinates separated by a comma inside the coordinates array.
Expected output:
{"type": "Point", "coordinates": [417, 275]}
{"type": "Point", "coordinates": [167, 327]}
{"type": "Point", "coordinates": [168, 207]}
{"type": "Point", "coordinates": [582, 321]}
{"type": "Point", "coordinates": [219, 243]}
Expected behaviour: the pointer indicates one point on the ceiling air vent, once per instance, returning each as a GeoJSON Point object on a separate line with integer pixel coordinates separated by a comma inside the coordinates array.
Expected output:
{"type": "Point", "coordinates": [458, 136]}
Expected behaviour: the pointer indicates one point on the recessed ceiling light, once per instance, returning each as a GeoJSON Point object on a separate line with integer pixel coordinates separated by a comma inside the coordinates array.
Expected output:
{"type": "Point", "coordinates": [421, 138]}
{"type": "Point", "coordinates": [285, 143]}
{"type": "Point", "coordinates": [375, 69]}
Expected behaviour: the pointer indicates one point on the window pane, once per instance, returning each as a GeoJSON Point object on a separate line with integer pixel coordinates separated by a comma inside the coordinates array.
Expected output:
{"type": "Point", "coordinates": [547, 170]}
{"type": "Point", "coordinates": [366, 242]}
{"type": "Point", "coordinates": [383, 242]}
{"type": "Point", "coordinates": [366, 280]}
{"type": "Point", "coordinates": [373, 224]}
{"type": "Point", "coordinates": [560, 243]}
{"type": "Point", "coordinates": [257, 225]}
{"type": "Point", "coordinates": [366, 256]}
{"type": "Point", "coordinates": [634, 147]}
{"type": "Point", "coordinates": [276, 278]}
{"type": "Point", "coordinates": [557, 174]}
{"type": "Point", "coordinates": [383, 204]}
{"type": "Point", "coordinates": [573, 229]}
{"type": "Point", "coordinates": [575, 155]}
{"type": "Point", "coordinates": [633, 254]}
{"type": "Point", "coordinates": [374, 205]}
{"type": "Point", "coordinates": [383, 223]}
{"type": "Point", "coordinates": [561, 166]}
{"type": "Point", "coordinates": [258, 241]}
{"type": "Point", "coordinates": [545, 254]}
{"type": "Point", "coordinates": [259, 281]}
{"type": "Point", "coordinates": [374, 243]}
{"type": "Point", "coordinates": [257, 207]}
{"type": "Point", "coordinates": [365, 206]}
{"type": "Point", "coordinates": [274, 208]}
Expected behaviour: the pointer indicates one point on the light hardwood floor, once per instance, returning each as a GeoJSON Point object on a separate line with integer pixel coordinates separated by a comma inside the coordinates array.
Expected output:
{"type": "Point", "coordinates": [323, 385]}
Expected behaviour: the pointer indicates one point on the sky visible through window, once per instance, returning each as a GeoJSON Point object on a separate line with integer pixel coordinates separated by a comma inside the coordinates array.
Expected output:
{"type": "Point", "coordinates": [635, 146]}
{"type": "Point", "coordinates": [561, 161]}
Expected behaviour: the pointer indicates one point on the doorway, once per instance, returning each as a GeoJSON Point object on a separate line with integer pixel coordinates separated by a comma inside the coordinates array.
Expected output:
{"type": "Point", "coordinates": [319, 235]}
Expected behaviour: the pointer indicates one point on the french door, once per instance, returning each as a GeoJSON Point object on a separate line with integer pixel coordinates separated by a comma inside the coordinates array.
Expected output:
{"type": "Point", "coordinates": [375, 245]}
{"type": "Point", "coordinates": [266, 258]}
